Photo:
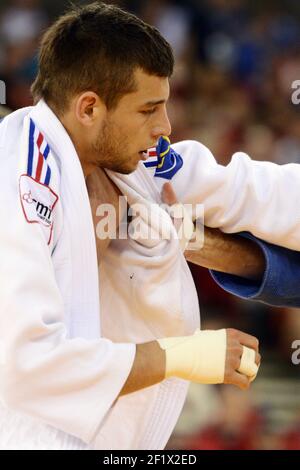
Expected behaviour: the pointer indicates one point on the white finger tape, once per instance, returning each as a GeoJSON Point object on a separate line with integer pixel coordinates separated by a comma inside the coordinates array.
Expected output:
{"type": "Point", "coordinates": [248, 366]}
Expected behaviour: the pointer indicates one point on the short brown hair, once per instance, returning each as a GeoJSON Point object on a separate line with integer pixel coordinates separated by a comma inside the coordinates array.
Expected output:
{"type": "Point", "coordinates": [97, 47]}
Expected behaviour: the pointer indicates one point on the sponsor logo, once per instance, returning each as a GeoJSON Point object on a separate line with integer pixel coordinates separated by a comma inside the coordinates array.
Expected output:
{"type": "Point", "coordinates": [38, 202]}
{"type": "Point", "coordinates": [43, 211]}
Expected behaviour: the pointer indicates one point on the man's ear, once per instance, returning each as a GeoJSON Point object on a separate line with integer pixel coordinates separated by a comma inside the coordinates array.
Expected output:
{"type": "Point", "coordinates": [89, 108]}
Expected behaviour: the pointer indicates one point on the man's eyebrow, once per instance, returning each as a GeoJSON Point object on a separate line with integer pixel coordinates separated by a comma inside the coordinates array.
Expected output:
{"type": "Point", "coordinates": [154, 103]}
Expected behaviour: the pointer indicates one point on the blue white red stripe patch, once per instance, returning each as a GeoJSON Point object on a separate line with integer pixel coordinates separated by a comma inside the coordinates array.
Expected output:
{"type": "Point", "coordinates": [38, 152]}
{"type": "Point", "coordinates": [166, 161]}
{"type": "Point", "coordinates": [152, 160]}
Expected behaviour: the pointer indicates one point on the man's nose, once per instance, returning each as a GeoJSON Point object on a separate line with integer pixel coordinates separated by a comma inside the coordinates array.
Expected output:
{"type": "Point", "coordinates": [163, 127]}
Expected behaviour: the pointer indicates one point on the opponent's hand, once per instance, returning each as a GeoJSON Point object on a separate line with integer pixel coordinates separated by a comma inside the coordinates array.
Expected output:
{"type": "Point", "coordinates": [222, 252]}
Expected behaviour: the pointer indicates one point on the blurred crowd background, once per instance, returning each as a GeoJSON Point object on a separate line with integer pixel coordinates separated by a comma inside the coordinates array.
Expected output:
{"type": "Point", "coordinates": [236, 61]}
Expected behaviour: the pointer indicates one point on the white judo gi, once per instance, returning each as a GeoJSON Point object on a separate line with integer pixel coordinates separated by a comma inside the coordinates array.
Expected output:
{"type": "Point", "coordinates": [59, 379]}
{"type": "Point", "coordinates": [151, 284]}
{"type": "Point", "coordinates": [246, 195]}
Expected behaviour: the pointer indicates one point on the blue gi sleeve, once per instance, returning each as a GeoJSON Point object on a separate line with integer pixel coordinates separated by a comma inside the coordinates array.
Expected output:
{"type": "Point", "coordinates": [280, 284]}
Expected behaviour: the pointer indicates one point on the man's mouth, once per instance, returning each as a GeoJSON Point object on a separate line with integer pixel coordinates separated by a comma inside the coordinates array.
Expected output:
{"type": "Point", "coordinates": [148, 152]}
{"type": "Point", "coordinates": [143, 154]}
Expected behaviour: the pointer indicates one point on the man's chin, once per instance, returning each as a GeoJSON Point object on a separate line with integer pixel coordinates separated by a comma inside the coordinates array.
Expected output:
{"type": "Point", "coordinates": [126, 170]}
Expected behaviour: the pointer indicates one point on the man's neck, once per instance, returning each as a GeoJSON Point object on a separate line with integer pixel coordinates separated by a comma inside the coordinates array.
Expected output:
{"type": "Point", "coordinates": [87, 167]}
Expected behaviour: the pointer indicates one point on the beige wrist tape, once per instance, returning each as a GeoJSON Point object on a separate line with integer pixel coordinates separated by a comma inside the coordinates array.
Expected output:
{"type": "Point", "coordinates": [199, 358]}
{"type": "Point", "coordinates": [248, 366]}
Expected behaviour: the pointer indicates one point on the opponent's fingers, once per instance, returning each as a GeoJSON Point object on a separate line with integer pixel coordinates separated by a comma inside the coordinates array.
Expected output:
{"type": "Point", "coordinates": [168, 195]}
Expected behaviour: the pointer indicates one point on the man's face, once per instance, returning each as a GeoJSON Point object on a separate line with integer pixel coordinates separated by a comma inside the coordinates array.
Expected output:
{"type": "Point", "coordinates": [135, 125]}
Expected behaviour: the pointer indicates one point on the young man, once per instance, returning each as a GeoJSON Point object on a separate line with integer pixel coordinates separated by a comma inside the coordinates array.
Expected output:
{"type": "Point", "coordinates": [101, 95]}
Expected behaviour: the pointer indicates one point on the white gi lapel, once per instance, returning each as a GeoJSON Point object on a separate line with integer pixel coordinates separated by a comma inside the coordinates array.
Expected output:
{"type": "Point", "coordinates": [78, 227]}
{"type": "Point", "coordinates": [145, 282]}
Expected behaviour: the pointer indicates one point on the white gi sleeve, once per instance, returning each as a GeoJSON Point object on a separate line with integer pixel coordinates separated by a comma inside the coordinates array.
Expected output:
{"type": "Point", "coordinates": [67, 383]}
{"type": "Point", "coordinates": [246, 195]}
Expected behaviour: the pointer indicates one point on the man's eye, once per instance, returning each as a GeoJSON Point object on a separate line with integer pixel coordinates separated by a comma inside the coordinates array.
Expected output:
{"type": "Point", "coordinates": [149, 111]}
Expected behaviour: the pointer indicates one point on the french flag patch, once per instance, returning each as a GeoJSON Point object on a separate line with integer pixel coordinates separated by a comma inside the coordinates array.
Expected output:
{"type": "Point", "coordinates": [38, 152]}
{"type": "Point", "coordinates": [38, 200]}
